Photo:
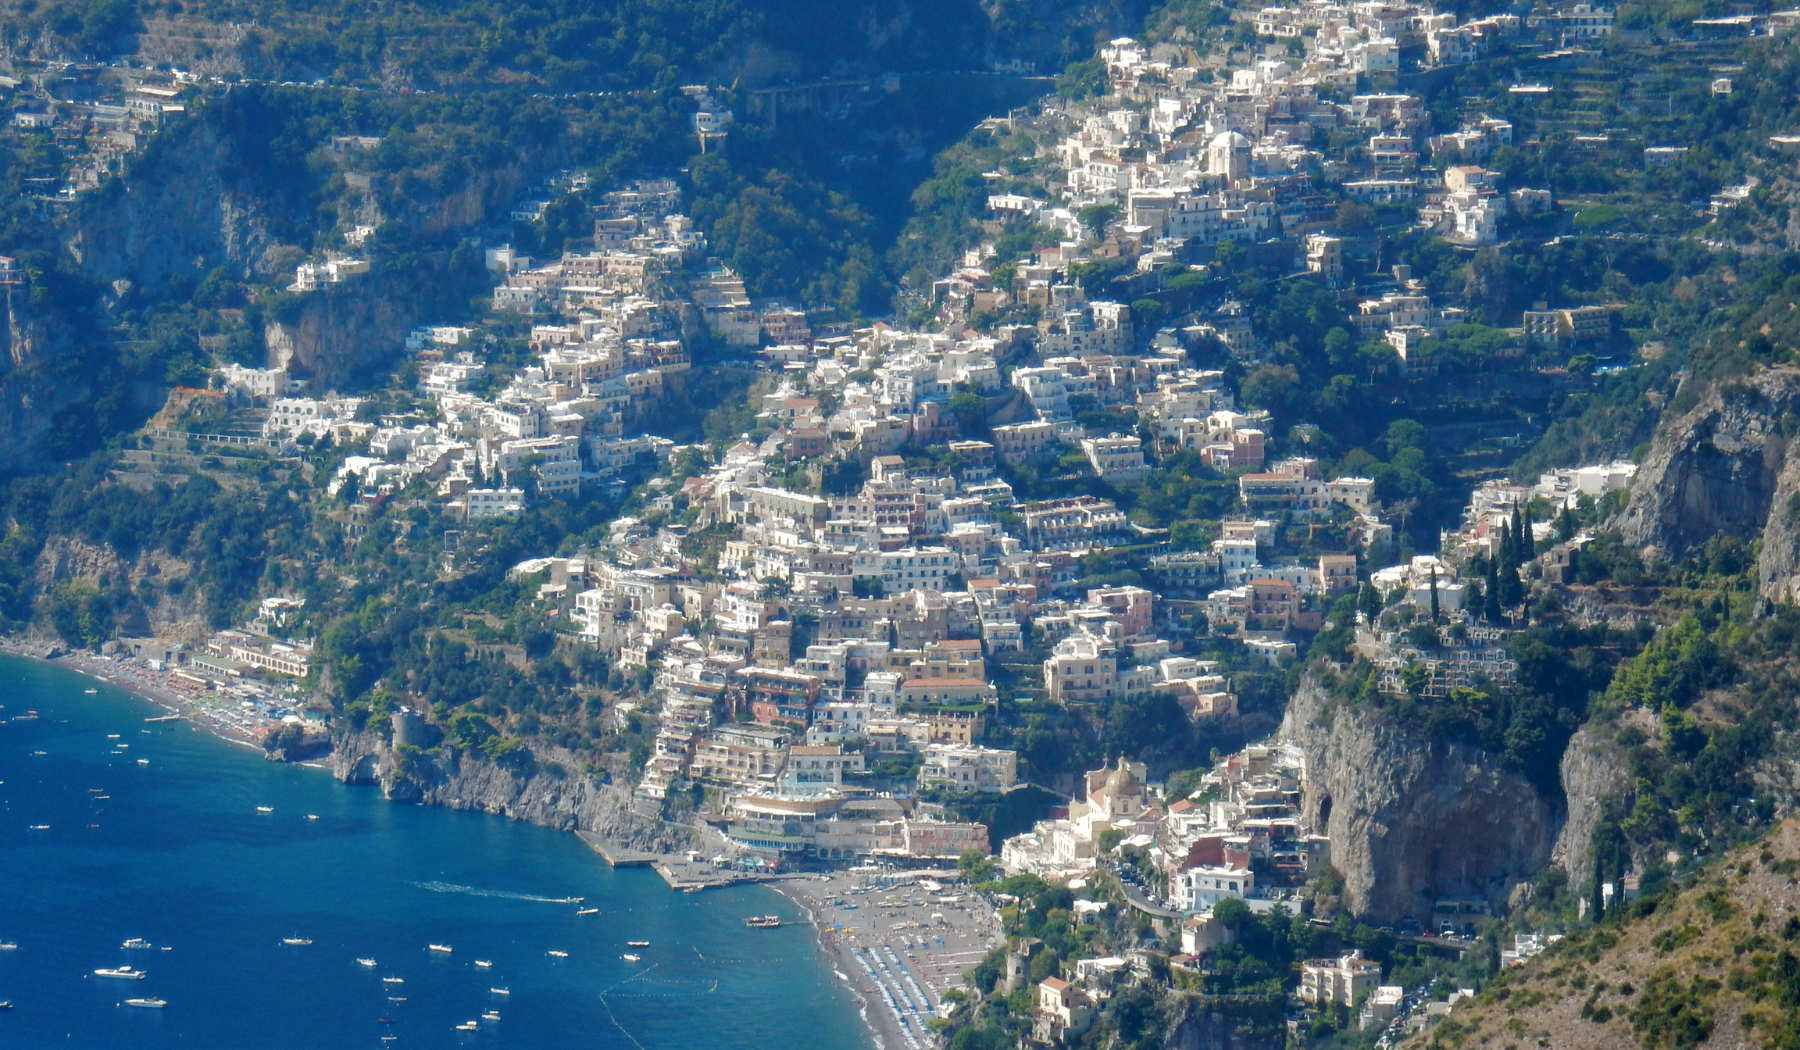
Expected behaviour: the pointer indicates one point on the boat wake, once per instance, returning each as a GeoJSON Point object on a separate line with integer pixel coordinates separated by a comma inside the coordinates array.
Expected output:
{"type": "Point", "coordinates": [450, 887]}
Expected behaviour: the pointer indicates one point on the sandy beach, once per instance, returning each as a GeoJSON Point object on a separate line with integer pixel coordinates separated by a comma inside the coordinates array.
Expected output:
{"type": "Point", "coordinates": [171, 692]}
{"type": "Point", "coordinates": [900, 946]}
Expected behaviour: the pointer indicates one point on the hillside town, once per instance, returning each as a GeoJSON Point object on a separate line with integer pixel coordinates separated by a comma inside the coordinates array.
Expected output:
{"type": "Point", "coordinates": [1044, 492]}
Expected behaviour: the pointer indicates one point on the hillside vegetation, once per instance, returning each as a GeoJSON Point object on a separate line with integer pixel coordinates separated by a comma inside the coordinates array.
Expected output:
{"type": "Point", "coordinates": [567, 45]}
{"type": "Point", "coordinates": [1709, 962]}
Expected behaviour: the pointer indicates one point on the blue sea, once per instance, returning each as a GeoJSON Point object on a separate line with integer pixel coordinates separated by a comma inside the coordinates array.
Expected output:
{"type": "Point", "coordinates": [175, 852]}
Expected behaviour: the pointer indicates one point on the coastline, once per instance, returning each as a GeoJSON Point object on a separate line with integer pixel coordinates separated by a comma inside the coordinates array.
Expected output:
{"type": "Point", "coordinates": [838, 945]}
{"type": "Point", "coordinates": [924, 953]}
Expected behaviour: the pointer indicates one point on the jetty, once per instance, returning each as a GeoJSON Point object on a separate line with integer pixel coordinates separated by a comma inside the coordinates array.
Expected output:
{"type": "Point", "coordinates": [616, 856]}
{"type": "Point", "coordinates": [679, 873]}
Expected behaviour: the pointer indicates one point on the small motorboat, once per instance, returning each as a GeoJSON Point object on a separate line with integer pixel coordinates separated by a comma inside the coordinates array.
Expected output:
{"type": "Point", "coordinates": [393, 980]}
{"type": "Point", "coordinates": [312, 816]}
{"type": "Point", "coordinates": [637, 944]}
{"type": "Point", "coordinates": [370, 963]}
{"type": "Point", "coordinates": [491, 1015]}
{"type": "Point", "coordinates": [467, 1026]}
{"type": "Point", "coordinates": [628, 957]}
{"type": "Point", "coordinates": [554, 954]}
{"type": "Point", "coordinates": [444, 948]}
{"type": "Point", "coordinates": [265, 809]}
{"type": "Point", "coordinates": [136, 942]}
{"type": "Point", "coordinates": [8, 946]}
{"type": "Point", "coordinates": [151, 1003]}
{"type": "Point", "coordinates": [482, 964]}
{"type": "Point", "coordinates": [588, 911]}
{"type": "Point", "coordinates": [297, 942]}
{"type": "Point", "coordinates": [124, 972]}
{"type": "Point", "coordinates": [499, 991]}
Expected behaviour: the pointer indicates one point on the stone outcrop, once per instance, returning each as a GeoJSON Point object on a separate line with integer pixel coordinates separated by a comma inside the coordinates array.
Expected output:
{"type": "Point", "coordinates": [1199, 1022]}
{"type": "Point", "coordinates": [545, 795]}
{"type": "Point", "coordinates": [1722, 468]}
{"type": "Point", "coordinates": [1593, 776]}
{"type": "Point", "coordinates": [1413, 820]}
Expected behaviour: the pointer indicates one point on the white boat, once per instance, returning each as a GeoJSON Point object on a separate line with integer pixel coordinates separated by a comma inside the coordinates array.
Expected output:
{"type": "Point", "coordinates": [500, 991]}
{"type": "Point", "coordinates": [8, 946]}
{"type": "Point", "coordinates": [370, 963]}
{"type": "Point", "coordinates": [40, 827]}
{"type": "Point", "coordinates": [124, 972]}
{"type": "Point", "coordinates": [136, 942]}
{"type": "Point", "coordinates": [90, 692]}
{"type": "Point", "coordinates": [467, 1026]}
{"type": "Point", "coordinates": [588, 911]}
{"type": "Point", "coordinates": [148, 1004]}
{"type": "Point", "coordinates": [445, 948]}
{"type": "Point", "coordinates": [482, 964]}
{"type": "Point", "coordinates": [637, 944]}
{"type": "Point", "coordinates": [554, 954]}
{"type": "Point", "coordinates": [296, 941]}
{"type": "Point", "coordinates": [628, 957]}
{"type": "Point", "coordinates": [265, 809]}
{"type": "Point", "coordinates": [143, 761]}
{"type": "Point", "coordinates": [393, 980]}
{"type": "Point", "coordinates": [490, 1016]}
{"type": "Point", "coordinates": [312, 816]}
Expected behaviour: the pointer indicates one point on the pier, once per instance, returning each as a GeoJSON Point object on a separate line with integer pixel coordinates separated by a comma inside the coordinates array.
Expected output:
{"type": "Point", "coordinates": [616, 856]}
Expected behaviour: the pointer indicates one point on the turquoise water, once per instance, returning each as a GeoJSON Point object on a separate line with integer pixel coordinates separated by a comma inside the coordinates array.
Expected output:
{"type": "Point", "coordinates": [181, 857]}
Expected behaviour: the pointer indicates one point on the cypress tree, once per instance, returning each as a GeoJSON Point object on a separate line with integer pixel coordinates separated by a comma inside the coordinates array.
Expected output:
{"type": "Point", "coordinates": [1491, 607]}
{"type": "Point", "coordinates": [1521, 536]}
{"type": "Point", "coordinates": [1567, 527]}
{"type": "Point", "coordinates": [1369, 601]}
{"type": "Point", "coordinates": [1434, 596]}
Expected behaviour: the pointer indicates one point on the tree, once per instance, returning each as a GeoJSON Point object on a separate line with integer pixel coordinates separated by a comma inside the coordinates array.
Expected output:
{"type": "Point", "coordinates": [1491, 594]}
{"type": "Point", "coordinates": [1369, 601]}
{"type": "Point", "coordinates": [1231, 911]}
{"type": "Point", "coordinates": [1272, 387]}
{"type": "Point", "coordinates": [1435, 618]}
{"type": "Point", "coordinates": [1095, 217]}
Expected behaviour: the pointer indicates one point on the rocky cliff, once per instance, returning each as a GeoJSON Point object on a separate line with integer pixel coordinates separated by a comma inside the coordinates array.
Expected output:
{"type": "Point", "coordinates": [1722, 467]}
{"type": "Point", "coordinates": [359, 325]}
{"type": "Point", "coordinates": [1412, 820]}
{"type": "Point", "coordinates": [546, 795]}
{"type": "Point", "coordinates": [1593, 777]}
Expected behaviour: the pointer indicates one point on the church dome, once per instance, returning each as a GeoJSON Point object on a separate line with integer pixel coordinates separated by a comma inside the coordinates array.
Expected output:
{"type": "Point", "coordinates": [1120, 783]}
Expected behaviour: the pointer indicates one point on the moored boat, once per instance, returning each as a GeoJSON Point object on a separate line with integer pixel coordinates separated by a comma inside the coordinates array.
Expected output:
{"type": "Point", "coordinates": [151, 1003]}
{"type": "Point", "coordinates": [124, 972]}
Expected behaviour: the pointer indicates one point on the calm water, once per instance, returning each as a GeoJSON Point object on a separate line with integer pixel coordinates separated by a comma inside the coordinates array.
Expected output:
{"type": "Point", "coordinates": [181, 857]}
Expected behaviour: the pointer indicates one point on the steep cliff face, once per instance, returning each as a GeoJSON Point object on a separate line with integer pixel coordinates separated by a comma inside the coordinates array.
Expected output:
{"type": "Point", "coordinates": [1411, 820]}
{"type": "Point", "coordinates": [181, 211]}
{"type": "Point", "coordinates": [352, 327]}
{"type": "Point", "coordinates": [1722, 468]}
{"type": "Point", "coordinates": [30, 398]}
{"type": "Point", "coordinates": [1593, 776]}
{"type": "Point", "coordinates": [456, 780]}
